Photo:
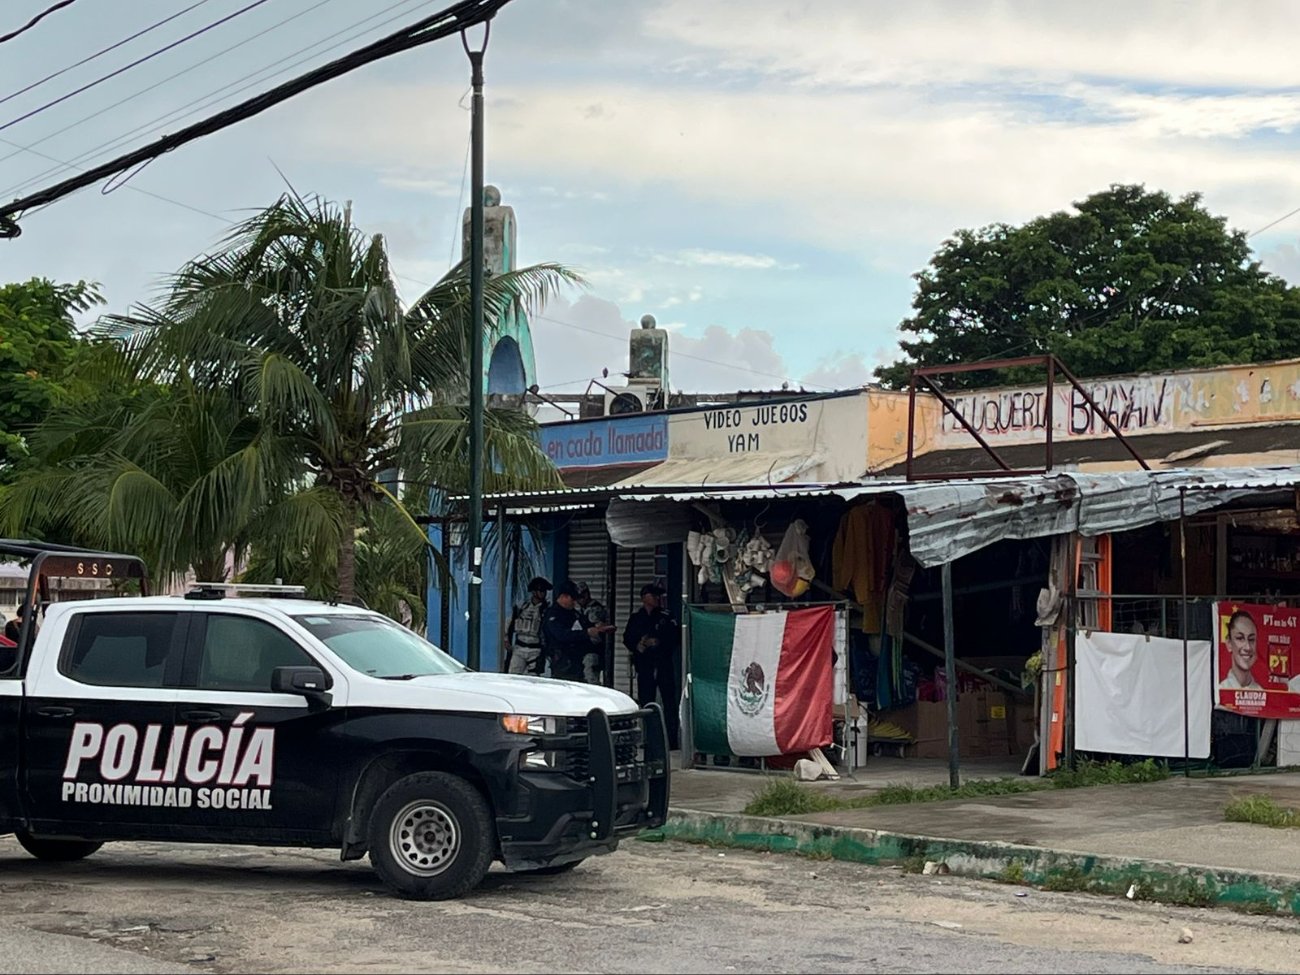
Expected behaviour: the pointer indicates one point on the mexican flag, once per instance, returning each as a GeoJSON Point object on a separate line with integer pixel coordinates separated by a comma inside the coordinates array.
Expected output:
{"type": "Point", "coordinates": [761, 683]}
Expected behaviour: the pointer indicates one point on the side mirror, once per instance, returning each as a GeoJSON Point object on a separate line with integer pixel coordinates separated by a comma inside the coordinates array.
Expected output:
{"type": "Point", "coordinates": [311, 682]}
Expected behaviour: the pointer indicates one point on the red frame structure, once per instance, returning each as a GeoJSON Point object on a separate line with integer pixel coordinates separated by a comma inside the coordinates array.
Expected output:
{"type": "Point", "coordinates": [1053, 365]}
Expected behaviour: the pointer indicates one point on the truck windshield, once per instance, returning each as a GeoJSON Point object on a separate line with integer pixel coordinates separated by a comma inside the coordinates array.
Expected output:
{"type": "Point", "coordinates": [379, 647]}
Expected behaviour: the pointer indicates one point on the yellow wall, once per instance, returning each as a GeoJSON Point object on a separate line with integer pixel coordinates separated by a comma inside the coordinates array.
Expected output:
{"type": "Point", "coordinates": [887, 427]}
{"type": "Point", "coordinates": [1208, 399]}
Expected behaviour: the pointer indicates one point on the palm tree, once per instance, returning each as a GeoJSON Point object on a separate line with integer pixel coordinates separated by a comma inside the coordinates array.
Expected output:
{"type": "Point", "coordinates": [182, 477]}
{"type": "Point", "coordinates": [297, 317]}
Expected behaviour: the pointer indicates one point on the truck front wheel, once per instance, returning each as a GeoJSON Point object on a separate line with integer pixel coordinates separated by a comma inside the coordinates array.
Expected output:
{"type": "Point", "coordinates": [431, 836]}
{"type": "Point", "coordinates": [56, 850]}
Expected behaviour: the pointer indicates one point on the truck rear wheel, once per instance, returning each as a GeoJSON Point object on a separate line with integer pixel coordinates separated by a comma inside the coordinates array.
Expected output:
{"type": "Point", "coordinates": [56, 850]}
{"type": "Point", "coordinates": [431, 836]}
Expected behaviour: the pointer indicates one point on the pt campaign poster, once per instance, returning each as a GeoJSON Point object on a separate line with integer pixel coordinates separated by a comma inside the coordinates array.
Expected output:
{"type": "Point", "coordinates": [1258, 659]}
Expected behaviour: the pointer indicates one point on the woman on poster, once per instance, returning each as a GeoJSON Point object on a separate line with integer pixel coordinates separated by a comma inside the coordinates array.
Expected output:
{"type": "Point", "coordinates": [1243, 650]}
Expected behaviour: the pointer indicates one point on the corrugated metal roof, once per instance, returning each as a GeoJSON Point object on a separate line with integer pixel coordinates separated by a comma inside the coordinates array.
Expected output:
{"type": "Point", "coordinates": [736, 470]}
{"type": "Point", "coordinates": [949, 519]}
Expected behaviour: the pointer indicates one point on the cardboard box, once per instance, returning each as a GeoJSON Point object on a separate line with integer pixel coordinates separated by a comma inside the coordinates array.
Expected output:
{"type": "Point", "coordinates": [927, 722]}
{"type": "Point", "coordinates": [1024, 724]}
{"type": "Point", "coordinates": [995, 722]}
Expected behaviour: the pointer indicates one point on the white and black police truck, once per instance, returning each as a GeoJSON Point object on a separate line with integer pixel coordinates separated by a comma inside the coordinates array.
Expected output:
{"type": "Point", "coordinates": [279, 721]}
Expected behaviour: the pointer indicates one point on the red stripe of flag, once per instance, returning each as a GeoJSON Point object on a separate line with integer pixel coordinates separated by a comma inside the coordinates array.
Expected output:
{"type": "Point", "coordinates": [805, 680]}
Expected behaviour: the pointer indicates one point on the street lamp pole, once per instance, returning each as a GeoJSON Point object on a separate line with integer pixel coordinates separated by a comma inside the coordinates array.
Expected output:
{"type": "Point", "coordinates": [474, 536]}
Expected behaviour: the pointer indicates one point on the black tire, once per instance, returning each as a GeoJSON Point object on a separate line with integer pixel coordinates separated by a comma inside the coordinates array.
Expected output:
{"type": "Point", "coordinates": [553, 870]}
{"type": "Point", "coordinates": [58, 851]}
{"type": "Point", "coordinates": [431, 836]}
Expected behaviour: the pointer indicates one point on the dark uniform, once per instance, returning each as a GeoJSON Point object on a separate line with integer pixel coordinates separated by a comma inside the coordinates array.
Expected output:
{"type": "Point", "coordinates": [565, 641]}
{"type": "Point", "coordinates": [654, 639]}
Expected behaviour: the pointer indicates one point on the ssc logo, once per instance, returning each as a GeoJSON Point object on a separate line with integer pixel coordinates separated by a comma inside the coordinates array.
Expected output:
{"type": "Point", "coordinates": [753, 691]}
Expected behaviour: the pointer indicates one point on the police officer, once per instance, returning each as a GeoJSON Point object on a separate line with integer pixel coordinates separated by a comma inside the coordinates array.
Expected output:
{"type": "Point", "coordinates": [593, 662]}
{"type": "Point", "coordinates": [567, 633]}
{"type": "Point", "coordinates": [654, 640]}
{"type": "Point", "coordinates": [524, 635]}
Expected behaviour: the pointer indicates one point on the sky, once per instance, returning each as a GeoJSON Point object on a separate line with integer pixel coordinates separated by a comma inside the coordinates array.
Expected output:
{"type": "Point", "coordinates": [764, 177]}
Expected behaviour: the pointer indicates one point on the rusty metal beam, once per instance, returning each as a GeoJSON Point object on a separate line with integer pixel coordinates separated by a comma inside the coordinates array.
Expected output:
{"type": "Point", "coordinates": [948, 405]}
{"type": "Point", "coordinates": [972, 475]}
{"type": "Point", "coordinates": [1024, 360]}
{"type": "Point", "coordinates": [911, 426]}
{"type": "Point", "coordinates": [1053, 365]}
{"type": "Point", "coordinates": [1110, 424]}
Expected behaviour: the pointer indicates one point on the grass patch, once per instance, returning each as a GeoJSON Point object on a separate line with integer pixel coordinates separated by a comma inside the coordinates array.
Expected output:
{"type": "Point", "coordinates": [913, 864]}
{"type": "Point", "coordinates": [1088, 773]}
{"type": "Point", "coordinates": [1013, 873]}
{"type": "Point", "coordinates": [898, 795]}
{"type": "Point", "coordinates": [786, 797]}
{"type": "Point", "coordinates": [1067, 880]}
{"type": "Point", "coordinates": [1262, 810]}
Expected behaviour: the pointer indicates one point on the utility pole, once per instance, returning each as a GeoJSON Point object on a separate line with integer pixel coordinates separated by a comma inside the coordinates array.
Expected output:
{"type": "Point", "coordinates": [474, 536]}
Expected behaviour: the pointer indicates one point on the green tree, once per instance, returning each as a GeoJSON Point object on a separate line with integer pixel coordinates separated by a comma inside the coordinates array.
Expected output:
{"type": "Point", "coordinates": [1129, 281]}
{"type": "Point", "coordinates": [38, 343]}
{"type": "Point", "coordinates": [297, 317]}
{"type": "Point", "coordinates": [185, 478]}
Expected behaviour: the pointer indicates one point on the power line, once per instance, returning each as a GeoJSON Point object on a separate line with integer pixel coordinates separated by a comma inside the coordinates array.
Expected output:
{"type": "Point", "coordinates": [684, 355]}
{"type": "Point", "coordinates": [129, 186]}
{"type": "Point", "coordinates": [454, 19]}
{"type": "Point", "coordinates": [122, 101]}
{"type": "Point", "coordinates": [127, 67]}
{"type": "Point", "coordinates": [211, 98]}
{"type": "Point", "coordinates": [1273, 223]}
{"type": "Point", "coordinates": [36, 20]}
{"type": "Point", "coordinates": [102, 51]}
{"type": "Point", "coordinates": [616, 338]}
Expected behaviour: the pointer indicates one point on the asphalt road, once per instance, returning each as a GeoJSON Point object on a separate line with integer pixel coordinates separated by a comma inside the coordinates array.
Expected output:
{"type": "Point", "coordinates": [649, 908]}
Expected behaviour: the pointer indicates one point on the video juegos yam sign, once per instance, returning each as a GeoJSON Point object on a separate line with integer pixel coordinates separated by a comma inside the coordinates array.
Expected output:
{"type": "Point", "coordinates": [1258, 664]}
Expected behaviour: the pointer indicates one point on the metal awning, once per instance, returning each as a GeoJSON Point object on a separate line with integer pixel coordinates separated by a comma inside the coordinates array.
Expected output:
{"type": "Point", "coordinates": [949, 519]}
{"type": "Point", "coordinates": [742, 470]}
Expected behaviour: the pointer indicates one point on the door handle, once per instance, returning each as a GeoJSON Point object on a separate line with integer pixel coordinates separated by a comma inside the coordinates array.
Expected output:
{"type": "Point", "coordinates": [201, 714]}
{"type": "Point", "coordinates": [55, 711]}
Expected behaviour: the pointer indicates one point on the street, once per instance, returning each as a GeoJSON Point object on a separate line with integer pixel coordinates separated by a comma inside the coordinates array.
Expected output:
{"type": "Point", "coordinates": [651, 907]}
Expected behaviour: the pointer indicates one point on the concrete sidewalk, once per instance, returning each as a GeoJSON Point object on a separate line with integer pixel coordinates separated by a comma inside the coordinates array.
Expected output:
{"type": "Point", "coordinates": [1168, 840]}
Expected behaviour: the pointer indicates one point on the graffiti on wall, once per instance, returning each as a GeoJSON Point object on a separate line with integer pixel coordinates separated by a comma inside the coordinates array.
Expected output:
{"type": "Point", "coordinates": [1133, 405]}
{"type": "Point", "coordinates": [1136, 405]}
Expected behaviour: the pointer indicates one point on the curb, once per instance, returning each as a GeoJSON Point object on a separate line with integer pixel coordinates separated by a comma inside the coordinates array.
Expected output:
{"type": "Point", "coordinates": [1165, 882]}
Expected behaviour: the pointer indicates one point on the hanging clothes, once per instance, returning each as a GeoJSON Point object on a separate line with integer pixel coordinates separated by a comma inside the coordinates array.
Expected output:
{"type": "Point", "coordinates": [861, 556]}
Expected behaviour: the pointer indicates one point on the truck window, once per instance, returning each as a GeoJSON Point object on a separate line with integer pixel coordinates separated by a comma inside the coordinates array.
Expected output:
{"type": "Point", "coordinates": [239, 654]}
{"type": "Point", "coordinates": [120, 649]}
{"type": "Point", "coordinates": [379, 647]}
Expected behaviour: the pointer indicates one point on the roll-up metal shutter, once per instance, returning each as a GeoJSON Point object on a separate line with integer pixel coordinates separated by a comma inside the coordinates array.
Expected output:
{"type": "Point", "coordinates": [636, 567]}
{"type": "Point", "coordinates": [589, 563]}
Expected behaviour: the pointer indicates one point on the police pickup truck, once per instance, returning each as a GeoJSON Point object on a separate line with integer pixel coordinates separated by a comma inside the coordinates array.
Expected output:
{"type": "Point", "coordinates": [214, 718]}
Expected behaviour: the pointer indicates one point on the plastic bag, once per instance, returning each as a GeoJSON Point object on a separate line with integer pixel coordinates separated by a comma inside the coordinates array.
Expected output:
{"type": "Point", "coordinates": [792, 569]}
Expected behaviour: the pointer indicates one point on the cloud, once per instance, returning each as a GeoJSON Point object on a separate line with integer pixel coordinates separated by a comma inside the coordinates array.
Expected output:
{"type": "Point", "coordinates": [721, 361]}
{"type": "Point", "coordinates": [425, 185]}
{"type": "Point", "coordinates": [854, 43]}
{"type": "Point", "coordinates": [727, 259]}
{"type": "Point", "coordinates": [574, 341]}
{"type": "Point", "coordinates": [1284, 261]}
{"type": "Point", "coordinates": [870, 172]}
{"type": "Point", "coordinates": [843, 370]}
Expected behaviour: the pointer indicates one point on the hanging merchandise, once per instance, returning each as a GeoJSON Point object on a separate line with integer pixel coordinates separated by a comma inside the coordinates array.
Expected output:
{"type": "Point", "coordinates": [896, 599]}
{"type": "Point", "coordinates": [751, 562]}
{"type": "Point", "coordinates": [701, 549]}
{"type": "Point", "coordinates": [861, 556]}
{"type": "Point", "coordinates": [792, 569]}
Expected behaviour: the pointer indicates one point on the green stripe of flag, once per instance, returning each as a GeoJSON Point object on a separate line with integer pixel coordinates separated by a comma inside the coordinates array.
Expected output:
{"type": "Point", "coordinates": [711, 635]}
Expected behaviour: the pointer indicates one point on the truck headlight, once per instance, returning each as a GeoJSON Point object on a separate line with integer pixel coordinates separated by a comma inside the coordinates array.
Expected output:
{"type": "Point", "coordinates": [530, 724]}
